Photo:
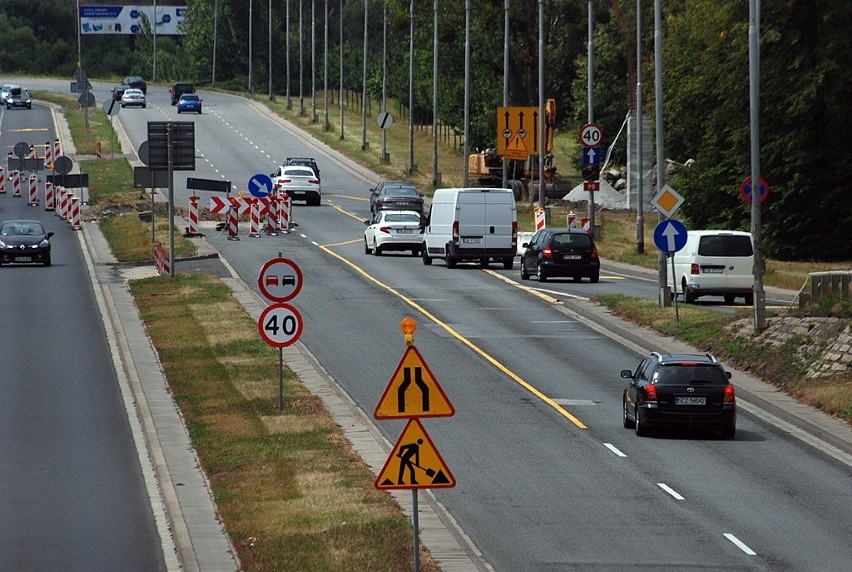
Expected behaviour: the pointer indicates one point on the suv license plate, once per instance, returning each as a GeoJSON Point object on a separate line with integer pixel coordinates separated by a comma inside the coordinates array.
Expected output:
{"type": "Point", "coordinates": [690, 401]}
{"type": "Point", "coordinates": [471, 240]}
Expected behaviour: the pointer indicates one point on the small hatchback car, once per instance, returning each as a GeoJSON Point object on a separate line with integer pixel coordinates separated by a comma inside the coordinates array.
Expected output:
{"type": "Point", "coordinates": [24, 241]}
{"type": "Point", "coordinates": [679, 391]}
{"type": "Point", "coordinates": [564, 252]}
{"type": "Point", "coordinates": [189, 103]}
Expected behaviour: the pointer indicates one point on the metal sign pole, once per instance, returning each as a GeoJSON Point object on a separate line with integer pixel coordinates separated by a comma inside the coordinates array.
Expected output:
{"type": "Point", "coordinates": [170, 147]}
{"type": "Point", "coordinates": [416, 523]}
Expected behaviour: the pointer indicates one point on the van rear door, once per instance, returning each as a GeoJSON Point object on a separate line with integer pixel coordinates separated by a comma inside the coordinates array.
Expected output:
{"type": "Point", "coordinates": [739, 256]}
{"type": "Point", "coordinates": [471, 219]}
{"type": "Point", "coordinates": [500, 216]}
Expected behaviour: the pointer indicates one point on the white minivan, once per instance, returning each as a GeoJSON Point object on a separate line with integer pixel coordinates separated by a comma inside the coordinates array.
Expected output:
{"type": "Point", "coordinates": [715, 263]}
{"type": "Point", "coordinates": [471, 224]}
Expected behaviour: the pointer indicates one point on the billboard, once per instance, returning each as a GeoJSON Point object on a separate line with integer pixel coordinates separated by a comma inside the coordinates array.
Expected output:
{"type": "Point", "coordinates": [128, 19]}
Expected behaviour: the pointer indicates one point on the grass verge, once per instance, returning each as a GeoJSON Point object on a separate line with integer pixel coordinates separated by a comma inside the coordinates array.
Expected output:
{"type": "Point", "coordinates": [291, 491]}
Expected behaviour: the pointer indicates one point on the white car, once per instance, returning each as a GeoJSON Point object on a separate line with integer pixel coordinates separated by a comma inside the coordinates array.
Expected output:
{"type": "Point", "coordinates": [133, 97]}
{"type": "Point", "coordinates": [394, 230]}
{"type": "Point", "coordinates": [4, 91]}
{"type": "Point", "coordinates": [300, 183]}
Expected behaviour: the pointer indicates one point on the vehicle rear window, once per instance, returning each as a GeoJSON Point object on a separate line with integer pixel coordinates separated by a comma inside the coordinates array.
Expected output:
{"type": "Point", "coordinates": [568, 239]}
{"type": "Point", "coordinates": [402, 218]}
{"type": "Point", "coordinates": [725, 245]}
{"type": "Point", "coordinates": [690, 375]}
{"type": "Point", "coordinates": [299, 172]}
{"type": "Point", "coordinates": [403, 192]}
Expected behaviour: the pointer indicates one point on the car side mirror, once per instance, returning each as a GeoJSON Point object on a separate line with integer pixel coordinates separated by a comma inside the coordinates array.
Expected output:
{"type": "Point", "coordinates": [368, 222]}
{"type": "Point", "coordinates": [49, 234]}
{"type": "Point", "coordinates": [728, 374]}
{"type": "Point", "coordinates": [627, 374]}
{"type": "Point", "coordinates": [524, 245]}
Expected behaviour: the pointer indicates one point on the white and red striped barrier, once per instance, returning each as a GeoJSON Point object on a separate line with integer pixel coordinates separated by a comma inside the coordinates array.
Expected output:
{"type": "Point", "coordinates": [48, 155]}
{"type": "Point", "coordinates": [272, 219]}
{"type": "Point", "coordinates": [49, 199]}
{"type": "Point", "coordinates": [161, 260]}
{"type": "Point", "coordinates": [56, 153]}
{"type": "Point", "coordinates": [233, 225]}
{"type": "Point", "coordinates": [75, 213]}
{"type": "Point", "coordinates": [285, 212]}
{"type": "Point", "coordinates": [33, 191]}
{"type": "Point", "coordinates": [62, 201]}
{"type": "Point", "coordinates": [2, 181]}
{"type": "Point", "coordinates": [539, 219]}
{"type": "Point", "coordinates": [192, 230]}
{"type": "Point", "coordinates": [587, 225]}
{"type": "Point", "coordinates": [570, 218]}
{"type": "Point", "coordinates": [254, 229]}
{"type": "Point", "coordinates": [15, 181]}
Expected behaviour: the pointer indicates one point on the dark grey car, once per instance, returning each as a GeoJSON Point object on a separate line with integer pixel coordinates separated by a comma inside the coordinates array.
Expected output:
{"type": "Point", "coordinates": [396, 195]}
{"type": "Point", "coordinates": [561, 252]}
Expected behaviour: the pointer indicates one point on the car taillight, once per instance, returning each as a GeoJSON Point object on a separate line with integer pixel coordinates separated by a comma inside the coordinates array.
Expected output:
{"type": "Point", "coordinates": [313, 181]}
{"type": "Point", "coordinates": [384, 229]}
{"type": "Point", "coordinates": [594, 253]}
{"type": "Point", "coordinates": [282, 181]}
{"type": "Point", "coordinates": [729, 394]}
{"type": "Point", "coordinates": [547, 252]}
{"type": "Point", "coordinates": [693, 268]}
{"type": "Point", "coordinates": [455, 232]}
{"type": "Point", "coordinates": [651, 393]}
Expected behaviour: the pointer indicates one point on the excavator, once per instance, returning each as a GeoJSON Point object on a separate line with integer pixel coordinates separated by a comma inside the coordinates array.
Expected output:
{"type": "Point", "coordinates": [486, 167]}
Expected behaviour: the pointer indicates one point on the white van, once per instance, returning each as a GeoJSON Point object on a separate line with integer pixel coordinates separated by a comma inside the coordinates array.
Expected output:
{"type": "Point", "coordinates": [715, 263]}
{"type": "Point", "coordinates": [471, 224]}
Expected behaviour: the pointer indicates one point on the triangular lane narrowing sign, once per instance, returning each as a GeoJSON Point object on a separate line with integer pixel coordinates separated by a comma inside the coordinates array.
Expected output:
{"type": "Point", "coordinates": [414, 463]}
{"type": "Point", "coordinates": [413, 391]}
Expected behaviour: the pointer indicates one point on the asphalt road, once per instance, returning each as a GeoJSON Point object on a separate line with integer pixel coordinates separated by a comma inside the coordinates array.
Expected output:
{"type": "Point", "coordinates": [547, 477]}
{"type": "Point", "coordinates": [72, 491]}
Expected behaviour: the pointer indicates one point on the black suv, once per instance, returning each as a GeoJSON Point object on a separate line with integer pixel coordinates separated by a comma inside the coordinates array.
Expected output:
{"type": "Point", "coordinates": [679, 390]}
{"type": "Point", "coordinates": [136, 82]}
{"type": "Point", "coordinates": [566, 252]}
{"type": "Point", "coordinates": [179, 89]}
{"type": "Point", "coordinates": [396, 195]}
{"type": "Point", "coordinates": [304, 162]}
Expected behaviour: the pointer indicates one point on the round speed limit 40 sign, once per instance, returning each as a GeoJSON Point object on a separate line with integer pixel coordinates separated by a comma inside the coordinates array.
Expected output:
{"type": "Point", "coordinates": [280, 325]}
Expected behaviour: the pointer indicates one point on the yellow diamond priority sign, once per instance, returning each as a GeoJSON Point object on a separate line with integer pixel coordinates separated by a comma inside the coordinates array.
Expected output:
{"type": "Point", "coordinates": [415, 463]}
{"type": "Point", "coordinates": [667, 201]}
{"type": "Point", "coordinates": [413, 391]}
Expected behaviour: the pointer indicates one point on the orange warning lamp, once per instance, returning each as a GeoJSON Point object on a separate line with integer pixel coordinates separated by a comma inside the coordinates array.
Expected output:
{"type": "Point", "coordinates": [408, 327]}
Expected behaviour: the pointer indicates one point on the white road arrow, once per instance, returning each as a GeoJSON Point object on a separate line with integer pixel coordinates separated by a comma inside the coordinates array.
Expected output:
{"type": "Point", "coordinates": [670, 232]}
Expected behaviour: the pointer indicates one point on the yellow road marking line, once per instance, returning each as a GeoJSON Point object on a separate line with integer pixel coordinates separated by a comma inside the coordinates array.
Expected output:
{"type": "Point", "coordinates": [516, 378]}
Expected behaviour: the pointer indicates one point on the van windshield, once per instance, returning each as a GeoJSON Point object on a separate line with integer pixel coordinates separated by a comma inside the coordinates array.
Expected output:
{"type": "Point", "coordinates": [725, 245]}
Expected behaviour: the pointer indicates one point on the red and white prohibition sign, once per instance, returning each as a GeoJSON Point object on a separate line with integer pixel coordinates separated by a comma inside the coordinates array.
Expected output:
{"type": "Point", "coordinates": [280, 325]}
